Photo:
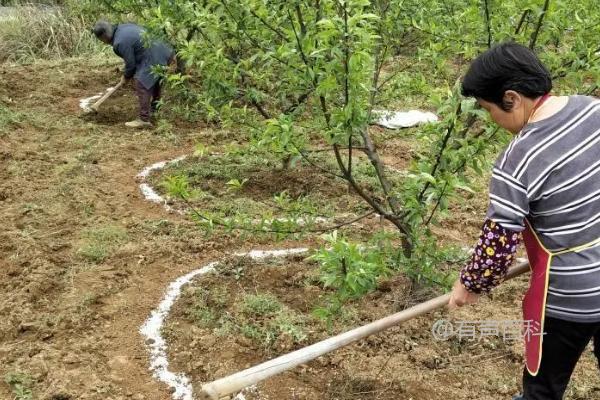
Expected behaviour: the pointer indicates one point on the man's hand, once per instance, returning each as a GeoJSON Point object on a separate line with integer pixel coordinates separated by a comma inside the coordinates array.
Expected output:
{"type": "Point", "coordinates": [461, 296]}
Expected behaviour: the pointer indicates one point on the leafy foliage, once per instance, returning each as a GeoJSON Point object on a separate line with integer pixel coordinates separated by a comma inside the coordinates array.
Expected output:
{"type": "Point", "coordinates": [292, 73]}
{"type": "Point", "coordinates": [349, 268]}
{"type": "Point", "coordinates": [288, 76]}
{"type": "Point", "coordinates": [353, 269]}
{"type": "Point", "coordinates": [20, 384]}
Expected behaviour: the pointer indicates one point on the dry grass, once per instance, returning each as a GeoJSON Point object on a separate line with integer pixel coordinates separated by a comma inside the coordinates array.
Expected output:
{"type": "Point", "coordinates": [28, 33]}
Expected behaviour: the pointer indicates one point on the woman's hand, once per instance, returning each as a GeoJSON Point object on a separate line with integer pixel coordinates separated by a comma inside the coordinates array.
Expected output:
{"type": "Point", "coordinates": [461, 296]}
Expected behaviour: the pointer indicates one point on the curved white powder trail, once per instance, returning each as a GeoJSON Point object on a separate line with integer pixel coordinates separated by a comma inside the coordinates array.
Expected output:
{"type": "Point", "coordinates": [151, 330]}
{"type": "Point", "coordinates": [148, 191]}
{"type": "Point", "coordinates": [152, 195]}
{"type": "Point", "coordinates": [158, 166]}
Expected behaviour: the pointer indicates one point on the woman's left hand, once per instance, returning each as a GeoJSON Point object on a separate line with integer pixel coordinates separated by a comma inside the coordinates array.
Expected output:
{"type": "Point", "coordinates": [460, 296]}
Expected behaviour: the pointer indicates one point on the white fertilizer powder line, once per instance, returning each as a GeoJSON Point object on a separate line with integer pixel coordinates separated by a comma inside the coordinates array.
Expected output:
{"type": "Point", "coordinates": [148, 191]}
{"type": "Point", "coordinates": [158, 166]}
{"type": "Point", "coordinates": [151, 330]}
{"type": "Point", "coordinates": [84, 104]}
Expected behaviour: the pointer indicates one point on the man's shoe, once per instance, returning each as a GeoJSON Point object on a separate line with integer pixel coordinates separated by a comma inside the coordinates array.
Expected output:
{"type": "Point", "coordinates": [518, 397]}
{"type": "Point", "coordinates": [138, 124]}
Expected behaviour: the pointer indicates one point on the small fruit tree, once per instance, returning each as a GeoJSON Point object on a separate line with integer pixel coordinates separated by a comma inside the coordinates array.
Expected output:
{"type": "Point", "coordinates": [295, 73]}
{"type": "Point", "coordinates": [304, 71]}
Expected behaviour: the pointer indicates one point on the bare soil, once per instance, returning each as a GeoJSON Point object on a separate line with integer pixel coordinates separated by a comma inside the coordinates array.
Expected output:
{"type": "Point", "coordinates": [85, 259]}
{"type": "Point", "coordinates": [406, 362]}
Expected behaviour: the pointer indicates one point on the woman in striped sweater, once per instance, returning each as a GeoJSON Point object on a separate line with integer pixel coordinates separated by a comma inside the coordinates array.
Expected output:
{"type": "Point", "coordinates": [545, 188]}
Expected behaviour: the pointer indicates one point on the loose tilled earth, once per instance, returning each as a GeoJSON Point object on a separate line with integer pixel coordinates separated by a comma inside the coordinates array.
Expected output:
{"type": "Point", "coordinates": [84, 259]}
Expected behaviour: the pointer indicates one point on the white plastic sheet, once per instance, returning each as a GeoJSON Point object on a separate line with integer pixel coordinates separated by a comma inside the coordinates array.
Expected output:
{"type": "Point", "coordinates": [403, 119]}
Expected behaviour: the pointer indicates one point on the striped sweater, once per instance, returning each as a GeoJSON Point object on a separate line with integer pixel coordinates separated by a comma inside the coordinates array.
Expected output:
{"type": "Point", "coordinates": [550, 175]}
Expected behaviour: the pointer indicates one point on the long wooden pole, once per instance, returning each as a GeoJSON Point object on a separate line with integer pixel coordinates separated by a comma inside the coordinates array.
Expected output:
{"type": "Point", "coordinates": [94, 107]}
{"type": "Point", "coordinates": [238, 381]}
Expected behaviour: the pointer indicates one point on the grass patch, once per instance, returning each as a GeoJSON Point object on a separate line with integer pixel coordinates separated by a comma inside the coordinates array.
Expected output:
{"type": "Point", "coordinates": [20, 384]}
{"type": "Point", "coordinates": [8, 119]}
{"type": "Point", "coordinates": [207, 307]}
{"type": "Point", "coordinates": [260, 317]}
{"type": "Point", "coordinates": [260, 305]}
{"type": "Point", "coordinates": [266, 320]}
{"type": "Point", "coordinates": [100, 242]}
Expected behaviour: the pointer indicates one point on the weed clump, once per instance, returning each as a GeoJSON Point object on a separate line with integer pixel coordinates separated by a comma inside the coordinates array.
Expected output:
{"type": "Point", "coordinates": [260, 317]}
{"type": "Point", "coordinates": [100, 242]}
{"type": "Point", "coordinates": [8, 118]}
{"type": "Point", "coordinates": [20, 385]}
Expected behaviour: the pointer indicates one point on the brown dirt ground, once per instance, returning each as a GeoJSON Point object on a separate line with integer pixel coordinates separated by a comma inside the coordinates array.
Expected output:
{"type": "Point", "coordinates": [406, 362]}
{"type": "Point", "coordinates": [72, 323]}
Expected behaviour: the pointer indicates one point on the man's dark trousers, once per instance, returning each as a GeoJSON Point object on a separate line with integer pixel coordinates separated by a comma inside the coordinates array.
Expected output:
{"type": "Point", "coordinates": [148, 99]}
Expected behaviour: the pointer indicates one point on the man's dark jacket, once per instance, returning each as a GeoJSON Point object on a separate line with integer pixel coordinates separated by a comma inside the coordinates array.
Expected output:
{"type": "Point", "coordinates": [129, 42]}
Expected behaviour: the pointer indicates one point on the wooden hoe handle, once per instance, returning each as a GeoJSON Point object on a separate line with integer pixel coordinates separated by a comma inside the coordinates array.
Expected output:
{"type": "Point", "coordinates": [238, 381]}
{"type": "Point", "coordinates": [108, 93]}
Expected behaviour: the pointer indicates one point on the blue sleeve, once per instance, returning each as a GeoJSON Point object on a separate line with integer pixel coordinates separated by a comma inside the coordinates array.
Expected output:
{"type": "Point", "coordinates": [127, 53]}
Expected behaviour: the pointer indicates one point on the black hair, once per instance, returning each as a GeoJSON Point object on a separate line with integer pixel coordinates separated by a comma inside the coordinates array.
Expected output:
{"type": "Point", "coordinates": [103, 29]}
{"type": "Point", "coordinates": [507, 66]}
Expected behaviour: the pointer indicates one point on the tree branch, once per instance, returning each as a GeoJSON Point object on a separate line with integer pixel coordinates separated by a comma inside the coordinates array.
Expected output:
{"type": "Point", "coordinates": [301, 99]}
{"type": "Point", "coordinates": [443, 146]}
{"type": "Point", "coordinates": [298, 41]}
{"type": "Point", "coordinates": [314, 164]}
{"type": "Point", "coordinates": [254, 103]}
{"type": "Point", "coordinates": [437, 204]}
{"type": "Point", "coordinates": [300, 20]}
{"type": "Point", "coordinates": [255, 42]}
{"type": "Point", "coordinates": [347, 86]}
{"type": "Point", "coordinates": [522, 21]}
{"type": "Point", "coordinates": [538, 27]}
{"type": "Point", "coordinates": [488, 23]}
{"type": "Point", "coordinates": [223, 224]}
{"type": "Point", "coordinates": [277, 31]}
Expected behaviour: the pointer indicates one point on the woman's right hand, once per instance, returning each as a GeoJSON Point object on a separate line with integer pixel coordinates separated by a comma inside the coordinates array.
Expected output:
{"type": "Point", "coordinates": [460, 296]}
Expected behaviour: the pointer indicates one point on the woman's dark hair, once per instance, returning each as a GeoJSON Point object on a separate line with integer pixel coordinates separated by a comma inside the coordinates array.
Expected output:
{"type": "Point", "coordinates": [507, 66]}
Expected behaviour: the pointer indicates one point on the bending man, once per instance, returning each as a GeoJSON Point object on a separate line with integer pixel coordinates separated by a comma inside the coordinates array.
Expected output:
{"type": "Point", "coordinates": [129, 43]}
